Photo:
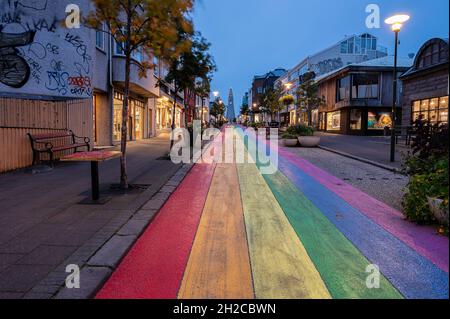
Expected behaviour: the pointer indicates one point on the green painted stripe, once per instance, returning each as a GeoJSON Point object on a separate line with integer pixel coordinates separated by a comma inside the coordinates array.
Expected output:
{"type": "Point", "coordinates": [341, 265]}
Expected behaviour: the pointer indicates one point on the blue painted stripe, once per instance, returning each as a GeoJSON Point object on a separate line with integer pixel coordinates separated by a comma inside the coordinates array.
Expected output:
{"type": "Point", "coordinates": [413, 275]}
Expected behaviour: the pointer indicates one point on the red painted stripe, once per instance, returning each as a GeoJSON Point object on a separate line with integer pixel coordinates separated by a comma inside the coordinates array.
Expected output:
{"type": "Point", "coordinates": [154, 267]}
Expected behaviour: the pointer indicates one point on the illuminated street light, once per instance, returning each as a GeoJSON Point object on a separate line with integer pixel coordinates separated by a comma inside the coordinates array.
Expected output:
{"type": "Point", "coordinates": [216, 93]}
{"type": "Point", "coordinates": [396, 22]}
{"type": "Point", "coordinates": [288, 85]}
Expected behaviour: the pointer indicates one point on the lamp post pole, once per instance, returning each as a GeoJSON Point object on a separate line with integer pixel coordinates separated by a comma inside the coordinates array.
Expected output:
{"type": "Point", "coordinates": [394, 101]}
{"type": "Point", "coordinates": [396, 22]}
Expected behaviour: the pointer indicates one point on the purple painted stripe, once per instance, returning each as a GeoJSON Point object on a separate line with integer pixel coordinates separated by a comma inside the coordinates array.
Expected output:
{"type": "Point", "coordinates": [423, 239]}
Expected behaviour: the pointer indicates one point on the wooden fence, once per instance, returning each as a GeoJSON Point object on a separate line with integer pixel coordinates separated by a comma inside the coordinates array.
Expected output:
{"type": "Point", "coordinates": [20, 116]}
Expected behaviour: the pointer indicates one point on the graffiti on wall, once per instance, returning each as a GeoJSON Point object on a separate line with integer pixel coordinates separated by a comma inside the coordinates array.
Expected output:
{"type": "Point", "coordinates": [14, 70]}
{"type": "Point", "coordinates": [38, 55]}
{"type": "Point", "coordinates": [327, 66]}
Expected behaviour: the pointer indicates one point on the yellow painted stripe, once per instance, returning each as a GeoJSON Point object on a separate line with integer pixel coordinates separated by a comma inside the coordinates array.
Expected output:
{"type": "Point", "coordinates": [219, 264]}
{"type": "Point", "coordinates": [280, 264]}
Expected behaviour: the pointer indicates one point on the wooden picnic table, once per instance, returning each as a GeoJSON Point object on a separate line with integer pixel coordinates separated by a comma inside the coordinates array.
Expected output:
{"type": "Point", "coordinates": [94, 158]}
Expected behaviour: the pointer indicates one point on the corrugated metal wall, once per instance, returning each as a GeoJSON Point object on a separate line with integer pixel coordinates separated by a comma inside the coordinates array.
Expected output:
{"type": "Point", "coordinates": [19, 117]}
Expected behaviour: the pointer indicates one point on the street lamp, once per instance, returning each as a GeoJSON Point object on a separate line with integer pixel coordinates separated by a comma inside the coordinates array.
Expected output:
{"type": "Point", "coordinates": [216, 93]}
{"type": "Point", "coordinates": [396, 22]}
{"type": "Point", "coordinates": [288, 85]}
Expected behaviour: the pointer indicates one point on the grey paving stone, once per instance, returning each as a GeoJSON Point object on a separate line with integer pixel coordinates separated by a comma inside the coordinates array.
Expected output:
{"type": "Point", "coordinates": [91, 279]}
{"type": "Point", "coordinates": [21, 278]}
{"type": "Point", "coordinates": [133, 228]}
{"type": "Point", "coordinates": [35, 295]}
{"type": "Point", "coordinates": [8, 259]}
{"type": "Point", "coordinates": [47, 255]}
{"type": "Point", "coordinates": [161, 196]}
{"type": "Point", "coordinates": [145, 214]}
{"type": "Point", "coordinates": [154, 204]}
{"type": "Point", "coordinates": [173, 183]}
{"type": "Point", "coordinates": [10, 295]}
{"type": "Point", "coordinates": [168, 189]}
{"type": "Point", "coordinates": [112, 252]}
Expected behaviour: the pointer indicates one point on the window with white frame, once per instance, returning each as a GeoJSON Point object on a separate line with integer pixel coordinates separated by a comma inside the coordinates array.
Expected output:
{"type": "Point", "coordinates": [100, 38]}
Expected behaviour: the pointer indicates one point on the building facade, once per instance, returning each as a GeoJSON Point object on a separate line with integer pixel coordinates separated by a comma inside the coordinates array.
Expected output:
{"type": "Point", "coordinates": [260, 84]}
{"type": "Point", "coordinates": [73, 78]}
{"type": "Point", "coordinates": [350, 50]}
{"type": "Point", "coordinates": [426, 84]}
{"type": "Point", "coordinates": [359, 97]}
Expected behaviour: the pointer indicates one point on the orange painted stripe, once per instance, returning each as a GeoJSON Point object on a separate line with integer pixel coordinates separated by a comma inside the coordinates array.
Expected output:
{"type": "Point", "coordinates": [219, 265]}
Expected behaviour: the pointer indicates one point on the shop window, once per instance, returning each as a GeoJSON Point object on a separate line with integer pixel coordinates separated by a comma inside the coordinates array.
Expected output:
{"type": "Point", "coordinates": [379, 120]}
{"type": "Point", "coordinates": [343, 89]}
{"type": "Point", "coordinates": [434, 110]}
{"type": "Point", "coordinates": [355, 120]}
{"type": "Point", "coordinates": [334, 121]}
{"type": "Point", "coordinates": [365, 86]}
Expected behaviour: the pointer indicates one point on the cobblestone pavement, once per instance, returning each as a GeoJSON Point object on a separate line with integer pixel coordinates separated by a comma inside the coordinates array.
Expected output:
{"type": "Point", "coordinates": [382, 184]}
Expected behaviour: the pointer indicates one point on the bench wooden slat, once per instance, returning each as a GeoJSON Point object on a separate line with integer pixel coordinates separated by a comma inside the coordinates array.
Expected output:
{"type": "Point", "coordinates": [67, 147]}
{"type": "Point", "coordinates": [39, 137]}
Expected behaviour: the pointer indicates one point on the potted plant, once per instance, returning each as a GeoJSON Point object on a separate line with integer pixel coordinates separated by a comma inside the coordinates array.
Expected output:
{"type": "Point", "coordinates": [290, 140]}
{"type": "Point", "coordinates": [305, 135]}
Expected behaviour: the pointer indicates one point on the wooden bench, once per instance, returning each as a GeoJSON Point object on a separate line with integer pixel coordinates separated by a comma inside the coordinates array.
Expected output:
{"type": "Point", "coordinates": [44, 143]}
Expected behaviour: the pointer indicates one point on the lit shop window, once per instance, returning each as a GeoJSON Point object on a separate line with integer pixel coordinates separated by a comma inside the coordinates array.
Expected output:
{"type": "Point", "coordinates": [355, 120]}
{"type": "Point", "coordinates": [379, 120]}
{"type": "Point", "coordinates": [334, 121]}
{"type": "Point", "coordinates": [434, 110]}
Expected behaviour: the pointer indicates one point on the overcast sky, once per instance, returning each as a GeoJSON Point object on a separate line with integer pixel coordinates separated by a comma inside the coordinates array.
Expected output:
{"type": "Point", "coordinates": [251, 37]}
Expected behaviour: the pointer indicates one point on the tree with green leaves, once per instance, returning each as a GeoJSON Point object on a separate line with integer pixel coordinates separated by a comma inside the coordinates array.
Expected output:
{"type": "Point", "coordinates": [307, 96]}
{"type": "Point", "coordinates": [203, 90]}
{"type": "Point", "coordinates": [193, 66]}
{"type": "Point", "coordinates": [217, 110]}
{"type": "Point", "coordinates": [271, 102]}
{"type": "Point", "coordinates": [148, 26]}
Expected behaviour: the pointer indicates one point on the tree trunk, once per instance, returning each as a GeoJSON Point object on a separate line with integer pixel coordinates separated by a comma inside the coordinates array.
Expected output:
{"type": "Point", "coordinates": [309, 117]}
{"type": "Point", "coordinates": [173, 116]}
{"type": "Point", "coordinates": [201, 114]}
{"type": "Point", "coordinates": [124, 131]}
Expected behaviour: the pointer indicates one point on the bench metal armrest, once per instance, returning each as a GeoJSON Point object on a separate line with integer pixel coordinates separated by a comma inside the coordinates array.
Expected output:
{"type": "Point", "coordinates": [47, 146]}
{"type": "Point", "coordinates": [87, 140]}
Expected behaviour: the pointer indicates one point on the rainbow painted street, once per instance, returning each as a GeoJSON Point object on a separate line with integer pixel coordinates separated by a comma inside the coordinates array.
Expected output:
{"type": "Point", "coordinates": [230, 232]}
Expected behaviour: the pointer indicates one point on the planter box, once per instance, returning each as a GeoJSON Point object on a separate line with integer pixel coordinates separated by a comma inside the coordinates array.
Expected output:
{"type": "Point", "coordinates": [438, 211]}
{"type": "Point", "coordinates": [290, 142]}
{"type": "Point", "coordinates": [309, 141]}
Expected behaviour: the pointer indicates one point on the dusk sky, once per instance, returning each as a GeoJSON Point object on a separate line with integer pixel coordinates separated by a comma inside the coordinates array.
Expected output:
{"type": "Point", "coordinates": [251, 37]}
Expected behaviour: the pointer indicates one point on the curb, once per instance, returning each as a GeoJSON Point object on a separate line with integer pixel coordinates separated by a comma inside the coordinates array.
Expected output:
{"type": "Point", "coordinates": [102, 264]}
{"type": "Point", "coordinates": [363, 160]}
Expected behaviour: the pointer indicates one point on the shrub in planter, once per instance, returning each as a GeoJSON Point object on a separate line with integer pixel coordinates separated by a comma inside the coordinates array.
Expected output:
{"type": "Point", "coordinates": [300, 130]}
{"type": "Point", "coordinates": [290, 140]}
{"type": "Point", "coordinates": [432, 183]}
{"type": "Point", "coordinates": [427, 167]}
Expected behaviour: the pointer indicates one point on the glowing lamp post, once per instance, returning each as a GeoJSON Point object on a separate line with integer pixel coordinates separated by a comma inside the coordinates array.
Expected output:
{"type": "Point", "coordinates": [396, 22]}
